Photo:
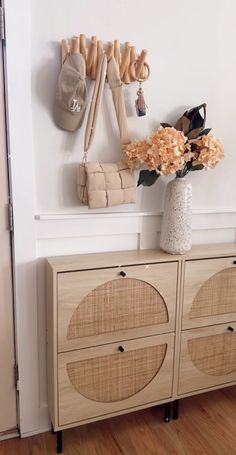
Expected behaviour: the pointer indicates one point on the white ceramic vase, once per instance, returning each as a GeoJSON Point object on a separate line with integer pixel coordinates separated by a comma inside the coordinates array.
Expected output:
{"type": "Point", "coordinates": [176, 229]}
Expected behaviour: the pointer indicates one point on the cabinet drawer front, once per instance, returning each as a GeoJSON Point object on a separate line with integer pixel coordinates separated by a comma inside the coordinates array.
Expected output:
{"type": "Point", "coordinates": [208, 357]}
{"type": "Point", "coordinates": [106, 379]}
{"type": "Point", "coordinates": [102, 306]}
{"type": "Point", "coordinates": [209, 292]}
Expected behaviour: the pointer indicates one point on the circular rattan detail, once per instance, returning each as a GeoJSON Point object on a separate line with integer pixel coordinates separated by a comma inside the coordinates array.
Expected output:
{"type": "Point", "coordinates": [216, 296]}
{"type": "Point", "coordinates": [214, 355]}
{"type": "Point", "coordinates": [118, 304]}
{"type": "Point", "coordinates": [118, 376]}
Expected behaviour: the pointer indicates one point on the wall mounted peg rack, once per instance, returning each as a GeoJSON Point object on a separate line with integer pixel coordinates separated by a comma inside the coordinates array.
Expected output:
{"type": "Point", "coordinates": [132, 66]}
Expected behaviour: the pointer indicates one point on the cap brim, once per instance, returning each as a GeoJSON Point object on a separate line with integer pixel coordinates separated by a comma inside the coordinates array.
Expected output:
{"type": "Point", "coordinates": [69, 121]}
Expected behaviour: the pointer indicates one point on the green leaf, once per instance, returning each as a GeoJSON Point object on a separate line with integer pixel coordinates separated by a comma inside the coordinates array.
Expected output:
{"type": "Point", "coordinates": [183, 124]}
{"type": "Point", "coordinates": [188, 165]}
{"type": "Point", "coordinates": [147, 178]}
{"type": "Point", "coordinates": [166, 125]}
{"type": "Point", "coordinates": [193, 134]}
{"type": "Point", "coordinates": [205, 132]}
{"type": "Point", "coordinates": [196, 119]}
{"type": "Point", "coordinates": [198, 167]}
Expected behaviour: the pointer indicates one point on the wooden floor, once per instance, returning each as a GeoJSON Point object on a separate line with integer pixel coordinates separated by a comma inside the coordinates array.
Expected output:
{"type": "Point", "coordinates": [206, 425]}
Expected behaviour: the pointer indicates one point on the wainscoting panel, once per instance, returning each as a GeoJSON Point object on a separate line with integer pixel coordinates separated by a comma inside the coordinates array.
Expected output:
{"type": "Point", "coordinates": [59, 234]}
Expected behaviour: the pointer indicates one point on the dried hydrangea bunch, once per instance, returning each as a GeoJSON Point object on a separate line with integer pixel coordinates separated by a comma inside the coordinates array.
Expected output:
{"type": "Point", "coordinates": [186, 147]}
{"type": "Point", "coordinates": [166, 150]}
{"type": "Point", "coordinates": [208, 151]}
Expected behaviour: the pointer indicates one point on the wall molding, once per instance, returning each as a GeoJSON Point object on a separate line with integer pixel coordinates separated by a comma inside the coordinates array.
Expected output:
{"type": "Point", "coordinates": [70, 216]}
{"type": "Point", "coordinates": [56, 226]}
{"type": "Point", "coordinates": [61, 233]}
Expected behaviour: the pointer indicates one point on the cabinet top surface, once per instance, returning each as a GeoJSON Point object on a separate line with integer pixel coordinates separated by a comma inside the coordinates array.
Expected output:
{"type": "Point", "coordinates": [125, 258]}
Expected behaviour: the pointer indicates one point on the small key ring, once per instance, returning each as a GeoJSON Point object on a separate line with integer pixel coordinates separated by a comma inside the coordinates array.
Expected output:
{"type": "Point", "coordinates": [133, 66]}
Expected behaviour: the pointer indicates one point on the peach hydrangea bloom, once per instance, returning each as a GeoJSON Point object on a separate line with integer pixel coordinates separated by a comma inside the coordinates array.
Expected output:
{"type": "Point", "coordinates": [136, 153]}
{"type": "Point", "coordinates": [169, 151]}
{"type": "Point", "coordinates": [209, 151]}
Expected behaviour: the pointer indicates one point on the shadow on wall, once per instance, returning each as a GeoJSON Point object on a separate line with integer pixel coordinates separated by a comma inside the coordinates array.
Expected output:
{"type": "Point", "coordinates": [46, 78]}
{"type": "Point", "coordinates": [152, 193]}
{"type": "Point", "coordinates": [42, 333]}
{"type": "Point", "coordinates": [67, 183]}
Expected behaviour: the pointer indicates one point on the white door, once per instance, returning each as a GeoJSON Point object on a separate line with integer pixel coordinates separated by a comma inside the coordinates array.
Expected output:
{"type": "Point", "coordinates": [8, 419]}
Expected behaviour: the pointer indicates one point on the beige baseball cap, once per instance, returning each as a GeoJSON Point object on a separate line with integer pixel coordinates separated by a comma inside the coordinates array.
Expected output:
{"type": "Point", "coordinates": [71, 97]}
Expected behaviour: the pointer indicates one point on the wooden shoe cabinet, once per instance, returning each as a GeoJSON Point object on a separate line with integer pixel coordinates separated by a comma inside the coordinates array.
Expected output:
{"type": "Point", "coordinates": [208, 335]}
{"type": "Point", "coordinates": [129, 330]}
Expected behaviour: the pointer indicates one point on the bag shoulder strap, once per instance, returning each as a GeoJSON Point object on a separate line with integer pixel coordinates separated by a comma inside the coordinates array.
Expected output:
{"type": "Point", "coordinates": [116, 87]}
{"type": "Point", "coordinates": [96, 102]}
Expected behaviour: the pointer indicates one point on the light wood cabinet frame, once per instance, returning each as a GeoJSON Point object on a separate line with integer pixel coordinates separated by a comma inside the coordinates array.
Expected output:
{"type": "Point", "coordinates": [73, 287]}
{"type": "Point", "coordinates": [199, 372]}
{"type": "Point", "coordinates": [74, 407]}
{"type": "Point", "coordinates": [196, 278]}
{"type": "Point", "coordinates": [178, 279]}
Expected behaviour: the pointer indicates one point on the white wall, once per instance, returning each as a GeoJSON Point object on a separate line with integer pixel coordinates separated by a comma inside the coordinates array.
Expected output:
{"type": "Point", "coordinates": [192, 54]}
{"type": "Point", "coordinates": [192, 57]}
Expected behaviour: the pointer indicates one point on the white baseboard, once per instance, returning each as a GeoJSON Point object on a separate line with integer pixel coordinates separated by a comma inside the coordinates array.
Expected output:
{"type": "Point", "coordinates": [3, 437]}
{"type": "Point", "coordinates": [37, 431]}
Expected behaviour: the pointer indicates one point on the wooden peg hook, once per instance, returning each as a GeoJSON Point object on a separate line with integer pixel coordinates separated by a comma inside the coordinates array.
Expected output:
{"type": "Point", "coordinates": [110, 51]}
{"type": "Point", "coordinates": [126, 78]}
{"type": "Point", "coordinates": [92, 55]}
{"type": "Point", "coordinates": [75, 45]}
{"type": "Point", "coordinates": [95, 59]}
{"type": "Point", "coordinates": [140, 63]}
{"type": "Point", "coordinates": [65, 50]}
{"type": "Point", "coordinates": [132, 67]}
{"type": "Point", "coordinates": [125, 60]}
{"type": "Point", "coordinates": [117, 53]}
{"type": "Point", "coordinates": [99, 49]}
{"type": "Point", "coordinates": [83, 49]}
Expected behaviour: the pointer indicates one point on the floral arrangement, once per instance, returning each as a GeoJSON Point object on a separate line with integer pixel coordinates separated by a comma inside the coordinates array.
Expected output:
{"type": "Point", "coordinates": [186, 147]}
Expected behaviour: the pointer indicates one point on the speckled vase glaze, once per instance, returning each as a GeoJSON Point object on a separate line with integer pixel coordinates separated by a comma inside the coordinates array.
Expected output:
{"type": "Point", "coordinates": [176, 229]}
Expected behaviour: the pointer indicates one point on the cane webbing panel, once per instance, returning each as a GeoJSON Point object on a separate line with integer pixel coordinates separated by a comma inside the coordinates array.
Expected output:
{"type": "Point", "coordinates": [118, 376]}
{"type": "Point", "coordinates": [214, 355]}
{"type": "Point", "coordinates": [216, 296]}
{"type": "Point", "coordinates": [117, 305]}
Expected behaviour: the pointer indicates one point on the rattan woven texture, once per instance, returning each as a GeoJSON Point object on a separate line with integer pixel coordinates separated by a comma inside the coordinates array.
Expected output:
{"type": "Point", "coordinates": [118, 376]}
{"type": "Point", "coordinates": [117, 305]}
{"type": "Point", "coordinates": [216, 296]}
{"type": "Point", "coordinates": [214, 355]}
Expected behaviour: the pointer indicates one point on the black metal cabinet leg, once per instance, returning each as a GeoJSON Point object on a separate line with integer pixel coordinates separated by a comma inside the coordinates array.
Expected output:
{"type": "Point", "coordinates": [167, 408]}
{"type": "Point", "coordinates": [59, 442]}
{"type": "Point", "coordinates": [176, 409]}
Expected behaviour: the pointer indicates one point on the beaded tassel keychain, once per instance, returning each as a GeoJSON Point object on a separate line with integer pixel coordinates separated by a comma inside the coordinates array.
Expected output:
{"type": "Point", "coordinates": [140, 104]}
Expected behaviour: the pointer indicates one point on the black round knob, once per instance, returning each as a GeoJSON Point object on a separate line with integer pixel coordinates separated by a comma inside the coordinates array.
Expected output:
{"type": "Point", "coordinates": [230, 329]}
{"type": "Point", "coordinates": [121, 349]}
{"type": "Point", "coordinates": [122, 273]}
{"type": "Point", "coordinates": [234, 262]}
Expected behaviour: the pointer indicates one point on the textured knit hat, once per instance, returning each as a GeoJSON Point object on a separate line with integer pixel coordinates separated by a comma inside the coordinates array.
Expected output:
{"type": "Point", "coordinates": [71, 98]}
